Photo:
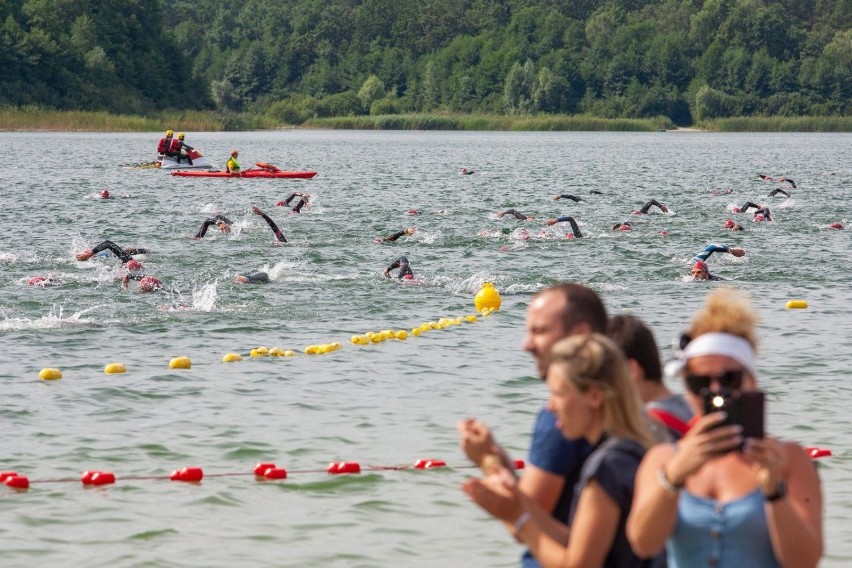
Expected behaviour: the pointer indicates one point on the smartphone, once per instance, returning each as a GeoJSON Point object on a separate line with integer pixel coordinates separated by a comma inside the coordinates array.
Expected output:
{"type": "Point", "coordinates": [744, 408]}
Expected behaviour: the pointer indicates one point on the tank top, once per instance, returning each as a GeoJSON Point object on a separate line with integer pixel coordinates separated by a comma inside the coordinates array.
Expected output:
{"type": "Point", "coordinates": [721, 535]}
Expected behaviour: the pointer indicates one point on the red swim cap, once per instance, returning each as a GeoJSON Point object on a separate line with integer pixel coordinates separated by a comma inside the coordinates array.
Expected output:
{"type": "Point", "coordinates": [105, 194]}
{"type": "Point", "coordinates": [149, 284]}
{"type": "Point", "coordinates": [624, 227]}
{"type": "Point", "coordinates": [411, 212]}
{"type": "Point", "coordinates": [35, 280]}
{"type": "Point", "coordinates": [408, 277]}
{"type": "Point", "coordinates": [280, 204]}
{"type": "Point", "coordinates": [729, 224]}
{"type": "Point", "coordinates": [134, 265]}
{"type": "Point", "coordinates": [700, 264]}
{"type": "Point", "coordinates": [736, 210]}
{"type": "Point", "coordinates": [836, 226]}
{"type": "Point", "coordinates": [759, 217]}
{"type": "Point", "coordinates": [569, 236]}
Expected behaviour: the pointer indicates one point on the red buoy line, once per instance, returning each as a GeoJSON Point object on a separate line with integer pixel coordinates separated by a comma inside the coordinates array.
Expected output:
{"type": "Point", "coordinates": [192, 474]}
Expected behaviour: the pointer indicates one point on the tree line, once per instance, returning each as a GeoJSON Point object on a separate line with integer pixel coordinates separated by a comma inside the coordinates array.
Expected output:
{"type": "Point", "coordinates": [689, 60]}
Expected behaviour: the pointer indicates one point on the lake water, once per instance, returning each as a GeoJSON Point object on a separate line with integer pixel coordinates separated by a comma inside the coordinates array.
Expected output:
{"type": "Point", "coordinates": [380, 405]}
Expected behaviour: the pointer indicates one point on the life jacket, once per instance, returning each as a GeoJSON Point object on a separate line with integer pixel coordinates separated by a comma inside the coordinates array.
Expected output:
{"type": "Point", "coordinates": [164, 144]}
{"type": "Point", "coordinates": [174, 147]}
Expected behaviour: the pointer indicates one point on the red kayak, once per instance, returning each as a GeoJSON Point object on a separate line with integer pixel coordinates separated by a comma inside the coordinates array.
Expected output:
{"type": "Point", "coordinates": [250, 173]}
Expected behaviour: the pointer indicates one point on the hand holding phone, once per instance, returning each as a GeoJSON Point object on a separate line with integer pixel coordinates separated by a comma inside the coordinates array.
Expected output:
{"type": "Point", "coordinates": [745, 409]}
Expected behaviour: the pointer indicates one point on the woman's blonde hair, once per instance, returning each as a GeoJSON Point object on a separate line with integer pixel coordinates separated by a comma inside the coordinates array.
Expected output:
{"type": "Point", "coordinates": [593, 360]}
{"type": "Point", "coordinates": [726, 310]}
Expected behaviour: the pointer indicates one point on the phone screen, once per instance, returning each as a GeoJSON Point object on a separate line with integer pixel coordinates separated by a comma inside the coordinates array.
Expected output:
{"type": "Point", "coordinates": [745, 408]}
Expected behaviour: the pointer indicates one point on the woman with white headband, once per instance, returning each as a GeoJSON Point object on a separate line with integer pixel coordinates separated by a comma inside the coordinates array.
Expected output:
{"type": "Point", "coordinates": [714, 498]}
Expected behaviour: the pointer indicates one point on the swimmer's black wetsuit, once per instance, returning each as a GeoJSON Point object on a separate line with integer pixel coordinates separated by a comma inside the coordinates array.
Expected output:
{"type": "Point", "coordinates": [748, 204]}
{"type": "Point", "coordinates": [765, 212]}
{"type": "Point", "coordinates": [210, 221]}
{"type": "Point", "coordinates": [402, 264]}
{"type": "Point", "coordinates": [394, 236]}
{"type": "Point", "coordinates": [574, 227]}
{"type": "Point", "coordinates": [788, 180]}
{"type": "Point", "coordinates": [299, 204]}
{"type": "Point", "coordinates": [278, 234]}
{"type": "Point", "coordinates": [764, 177]}
{"type": "Point", "coordinates": [778, 190]}
{"type": "Point", "coordinates": [123, 254]}
{"type": "Point", "coordinates": [573, 198]}
{"type": "Point", "coordinates": [515, 213]}
{"type": "Point", "coordinates": [595, 192]}
{"type": "Point", "coordinates": [256, 277]}
{"type": "Point", "coordinates": [647, 206]}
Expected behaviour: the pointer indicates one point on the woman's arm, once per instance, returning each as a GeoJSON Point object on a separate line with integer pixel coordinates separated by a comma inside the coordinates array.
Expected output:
{"type": "Point", "coordinates": [795, 520]}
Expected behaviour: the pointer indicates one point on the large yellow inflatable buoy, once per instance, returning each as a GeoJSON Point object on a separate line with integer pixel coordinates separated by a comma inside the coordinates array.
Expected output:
{"type": "Point", "coordinates": [115, 368]}
{"type": "Point", "coordinates": [487, 298]}
{"type": "Point", "coordinates": [797, 305]}
{"type": "Point", "coordinates": [50, 374]}
{"type": "Point", "coordinates": [182, 362]}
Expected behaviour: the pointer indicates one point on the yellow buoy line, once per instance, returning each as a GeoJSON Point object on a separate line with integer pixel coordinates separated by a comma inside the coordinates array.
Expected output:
{"type": "Point", "coordinates": [367, 338]}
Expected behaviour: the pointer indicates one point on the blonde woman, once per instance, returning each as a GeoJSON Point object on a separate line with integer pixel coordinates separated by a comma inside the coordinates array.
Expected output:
{"type": "Point", "coordinates": [711, 500]}
{"type": "Point", "coordinates": [593, 397]}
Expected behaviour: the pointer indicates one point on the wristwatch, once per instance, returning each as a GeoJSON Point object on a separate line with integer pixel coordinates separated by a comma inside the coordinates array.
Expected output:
{"type": "Point", "coordinates": [780, 492]}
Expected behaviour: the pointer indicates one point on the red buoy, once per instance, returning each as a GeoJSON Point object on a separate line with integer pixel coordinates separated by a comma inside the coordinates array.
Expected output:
{"type": "Point", "coordinates": [4, 475]}
{"type": "Point", "coordinates": [97, 478]}
{"type": "Point", "coordinates": [260, 468]}
{"type": "Point", "coordinates": [519, 464]}
{"type": "Point", "coordinates": [275, 473]}
{"type": "Point", "coordinates": [429, 464]}
{"type": "Point", "coordinates": [815, 453]}
{"type": "Point", "coordinates": [190, 474]}
{"type": "Point", "coordinates": [344, 467]}
{"type": "Point", "coordinates": [17, 482]}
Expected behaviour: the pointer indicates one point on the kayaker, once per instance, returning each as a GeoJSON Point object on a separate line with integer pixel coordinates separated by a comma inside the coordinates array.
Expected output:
{"type": "Point", "coordinates": [232, 166]}
{"type": "Point", "coordinates": [183, 149]}
{"type": "Point", "coordinates": [123, 254]}
{"type": "Point", "coordinates": [278, 234]}
{"type": "Point", "coordinates": [404, 273]}
{"type": "Point", "coordinates": [222, 222]}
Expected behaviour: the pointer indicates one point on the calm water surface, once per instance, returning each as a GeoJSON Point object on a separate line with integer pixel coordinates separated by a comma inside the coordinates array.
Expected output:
{"type": "Point", "coordinates": [380, 405]}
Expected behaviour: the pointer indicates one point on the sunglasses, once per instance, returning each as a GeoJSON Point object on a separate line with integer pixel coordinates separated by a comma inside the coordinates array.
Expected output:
{"type": "Point", "coordinates": [731, 380]}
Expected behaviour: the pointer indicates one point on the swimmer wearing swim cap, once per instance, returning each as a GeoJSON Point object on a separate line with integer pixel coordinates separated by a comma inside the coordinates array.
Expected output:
{"type": "Point", "coordinates": [648, 205]}
{"type": "Point", "coordinates": [123, 254]}
{"type": "Point", "coordinates": [222, 222]}
{"type": "Point", "coordinates": [303, 200]}
{"type": "Point", "coordinates": [404, 268]}
{"type": "Point", "coordinates": [575, 229]}
{"type": "Point", "coordinates": [398, 234]}
{"type": "Point", "coordinates": [252, 278]}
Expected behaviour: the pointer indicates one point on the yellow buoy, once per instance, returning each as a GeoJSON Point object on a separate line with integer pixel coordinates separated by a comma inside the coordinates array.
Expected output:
{"type": "Point", "coordinates": [402, 334]}
{"type": "Point", "coordinates": [180, 363]}
{"type": "Point", "coordinates": [114, 368]}
{"type": "Point", "coordinates": [232, 358]}
{"type": "Point", "coordinates": [312, 349]}
{"type": "Point", "coordinates": [276, 352]}
{"type": "Point", "coordinates": [487, 297]}
{"type": "Point", "coordinates": [471, 318]}
{"type": "Point", "coordinates": [261, 351]}
{"type": "Point", "coordinates": [50, 374]}
{"type": "Point", "coordinates": [797, 305]}
{"type": "Point", "coordinates": [289, 353]}
{"type": "Point", "coordinates": [416, 331]}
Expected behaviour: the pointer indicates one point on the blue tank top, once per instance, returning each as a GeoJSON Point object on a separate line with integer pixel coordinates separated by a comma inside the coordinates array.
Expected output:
{"type": "Point", "coordinates": [721, 535]}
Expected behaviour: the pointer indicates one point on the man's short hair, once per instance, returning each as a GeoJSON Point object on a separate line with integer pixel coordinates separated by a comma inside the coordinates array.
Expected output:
{"type": "Point", "coordinates": [637, 342]}
{"type": "Point", "coordinates": [582, 305]}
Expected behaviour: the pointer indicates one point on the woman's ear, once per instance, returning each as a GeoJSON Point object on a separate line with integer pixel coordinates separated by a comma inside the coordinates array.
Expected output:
{"type": "Point", "coordinates": [596, 397]}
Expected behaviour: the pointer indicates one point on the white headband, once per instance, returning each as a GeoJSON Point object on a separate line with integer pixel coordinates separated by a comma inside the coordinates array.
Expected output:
{"type": "Point", "coordinates": [732, 346]}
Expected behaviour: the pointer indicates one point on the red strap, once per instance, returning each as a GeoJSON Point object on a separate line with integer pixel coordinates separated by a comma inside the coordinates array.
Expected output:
{"type": "Point", "coordinates": [669, 420]}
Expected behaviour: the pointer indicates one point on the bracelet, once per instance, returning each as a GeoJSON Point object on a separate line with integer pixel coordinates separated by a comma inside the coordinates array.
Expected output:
{"type": "Point", "coordinates": [665, 483]}
{"type": "Point", "coordinates": [520, 523]}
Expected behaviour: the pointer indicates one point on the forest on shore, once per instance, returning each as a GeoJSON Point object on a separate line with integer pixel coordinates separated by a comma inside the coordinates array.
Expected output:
{"type": "Point", "coordinates": [677, 62]}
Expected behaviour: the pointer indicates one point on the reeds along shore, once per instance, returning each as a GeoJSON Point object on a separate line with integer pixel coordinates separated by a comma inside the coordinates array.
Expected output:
{"type": "Point", "coordinates": [36, 118]}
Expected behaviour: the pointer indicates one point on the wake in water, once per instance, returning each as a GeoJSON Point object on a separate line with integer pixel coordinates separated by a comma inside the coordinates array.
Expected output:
{"type": "Point", "coordinates": [53, 320]}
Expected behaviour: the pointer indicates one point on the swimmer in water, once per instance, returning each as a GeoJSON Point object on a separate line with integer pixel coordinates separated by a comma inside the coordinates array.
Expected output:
{"type": "Point", "coordinates": [762, 214]}
{"type": "Point", "coordinates": [398, 234]}
{"type": "Point", "coordinates": [787, 180]}
{"type": "Point", "coordinates": [404, 269]}
{"type": "Point", "coordinates": [623, 226]}
{"type": "Point", "coordinates": [467, 172]}
{"type": "Point", "coordinates": [516, 214]}
{"type": "Point", "coordinates": [124, 254]}
{"type": "Point", "coordinates": [748, 205]}
{"type": "Point", "coordinates": [222, 222]}
{"type": "Point", "coordinates": [596, 192]}
{"type": "Point", "coordinates": [278, 234]}
{"type": "Point", "coordinates": [567, 218]}
{"type": "Point", "coordinates": [303, 200]}
{"type": "Point", "coordinates": [764, 177]}
{"type": "Point", "coordinates": [700, 271]}
{"type": "Point", "coordinates": [648, 205]}
{"type": "Point", "coordinates": [252, 278]}
{"type": "Point", "coordinates": [778, 190]}
{"type": "Point", "coordinates": [731, 226]}
{"type": "Point", "coordinates": [573, 198]}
